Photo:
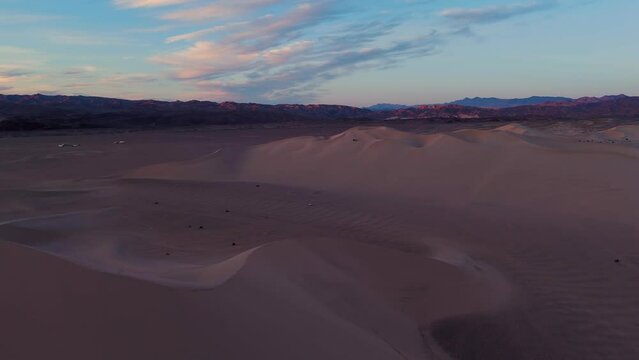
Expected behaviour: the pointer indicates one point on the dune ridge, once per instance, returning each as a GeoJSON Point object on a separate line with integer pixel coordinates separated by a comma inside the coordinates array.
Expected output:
{"type": "Point", "coordinates": [510, 166]}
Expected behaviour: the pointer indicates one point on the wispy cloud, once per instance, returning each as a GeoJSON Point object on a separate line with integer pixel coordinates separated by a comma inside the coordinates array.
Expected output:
{"type": "Point", "coordinates": [81, 38]}
{"type": "Point", "coordinates": [13, 50]}
{"type": "Point", "coordinates": [147, 3]}
{"type": "Point", "coordinates": [127, 79]}
{"type": "Point", "coordinates": [490, 14]}
{"type": "Point", "coordinates": [10, 74]}
{"type": "Point", "coordinates": [208, 59]}
{"type": "Point", "coordinates": [301, 82]}
{"type": "Point", "coordinates": [196, 34]}
{"type": "Point", "coordinates": [12, 71]}
{"type": "Point", "coordinates": [269, 28]}
{"type": "Point", "coordinates": [243, 45]}
{"type": "Point", "coordinates": [152, 30]}
{"type": "Point", "coordinates": [10, 17]}
{"type": "Point", "coordinates": [218, 10]}
{"type": "Point", "coordinates": [275, 58]}
{"type": "Point", "coordinates": [81, 70]}
{"type": "Point", "coordinates": [77, 85]}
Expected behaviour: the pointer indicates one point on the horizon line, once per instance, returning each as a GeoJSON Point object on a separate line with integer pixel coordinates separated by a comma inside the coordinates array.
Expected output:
{"type": "Point", "coordinates": [310, 104]}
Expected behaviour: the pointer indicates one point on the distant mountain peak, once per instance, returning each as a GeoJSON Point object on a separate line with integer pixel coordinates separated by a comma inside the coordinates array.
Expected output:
{"type": "Point", "coordinates": [592, 99]}
{"type": "Point", "coordinates": [497, 103]}
{"type": "Point", "coordinates": [387, 107]}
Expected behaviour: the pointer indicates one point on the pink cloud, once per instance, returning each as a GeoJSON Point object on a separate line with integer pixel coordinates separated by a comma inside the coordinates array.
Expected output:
{"type": "Point", "coordinates": [218, 10]}
{"type": "Point", "coordinates": [205, 58]}
{"type": "Point", "coordinates": [147, 3]}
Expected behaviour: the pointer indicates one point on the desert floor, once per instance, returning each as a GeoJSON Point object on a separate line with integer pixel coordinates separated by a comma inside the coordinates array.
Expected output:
{"type": "Point", "coordinates": [404, 241]}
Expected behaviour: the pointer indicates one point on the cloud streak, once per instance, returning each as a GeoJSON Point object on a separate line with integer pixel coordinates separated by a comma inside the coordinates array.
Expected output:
{"type": "Point", "coordinates": [11, 71]}
{"type": "Point", "coordinates": [218, 10]}
{"type": "Point", "coordinates": [82, 70]}
{"type": "Point", "coordinates": [310, 69]}
{"type": "Point", "coordinates": [275, 58]}
{"type": "Point", "coordinates": [491, 14]}
{"type": "Point", "coordinates": [10, 74]}
{"type": "Point", "coordinates": [131, 4]}
{"type": "Point", "coordinates": [11, 17]}
{"type": "Point", "coordinates": [287, 50]}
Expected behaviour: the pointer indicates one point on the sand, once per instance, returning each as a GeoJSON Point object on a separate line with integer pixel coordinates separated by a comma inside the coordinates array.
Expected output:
{"type": "Point", "coordinates": [321, 243]}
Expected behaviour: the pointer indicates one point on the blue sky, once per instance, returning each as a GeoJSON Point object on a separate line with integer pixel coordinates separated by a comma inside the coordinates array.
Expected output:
{"type": "Point", "coordinates": [326, 51]}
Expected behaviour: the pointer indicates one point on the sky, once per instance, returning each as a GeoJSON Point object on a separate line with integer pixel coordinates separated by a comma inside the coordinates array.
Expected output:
{"type": "Point", "coordinates": [353, 52]}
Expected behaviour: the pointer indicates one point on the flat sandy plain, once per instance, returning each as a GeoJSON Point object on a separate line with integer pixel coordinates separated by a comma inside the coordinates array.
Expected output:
{"type": "Point", "coordinates": [322, 242]}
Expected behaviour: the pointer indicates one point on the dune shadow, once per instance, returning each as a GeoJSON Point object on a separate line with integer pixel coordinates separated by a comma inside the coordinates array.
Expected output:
{"type": "Point", "coordinates": [489, 337]}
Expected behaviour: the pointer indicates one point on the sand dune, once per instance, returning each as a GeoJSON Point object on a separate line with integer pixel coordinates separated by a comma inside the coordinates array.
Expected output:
{"type": "Point", "coordinates": [625, 133]}
{"type": "Point", "coordinates": [519, 129]}
{"type": "Point", "coordinates": [372, 243]}
{"type": "Point", "coordinates": [336, 290]}
{"type": "Point", "coordinates": [500, 166]}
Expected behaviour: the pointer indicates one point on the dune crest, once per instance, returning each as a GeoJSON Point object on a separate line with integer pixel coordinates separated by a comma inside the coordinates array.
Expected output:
{"type": "Point", "coordinates": [499, 166]}
{"type": "Point", "coordinates": [626, 133]}
{"type": "Point", "coordinates": [106, 254]}
{"type": "Point", "coordinates": [518, 129]}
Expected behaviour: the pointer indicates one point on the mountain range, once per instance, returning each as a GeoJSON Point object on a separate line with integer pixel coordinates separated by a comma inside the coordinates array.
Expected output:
{"type": "Point", "coordinates": [582, 108]}
{"type": "Point", "coordinates": [387, 107]}
{"type": "Point", "coordinates": [33, 112]}
{"type": "Point", "coordinates": [488, 103]}
{"type": "Point", "coordinates": [496, 103]}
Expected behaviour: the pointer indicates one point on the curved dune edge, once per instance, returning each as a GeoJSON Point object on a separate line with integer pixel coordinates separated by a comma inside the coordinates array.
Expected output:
{"type": "Point", "coordinates": [193, 277]}
{"type": "Point", "coordinates": [625, 133]}
{"type": "Point", "coordinates": [104, 256]}
{"type": "Point", "coordinates": [518, 129]}
{"type": "Point", "coordinates": [314, 288]}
